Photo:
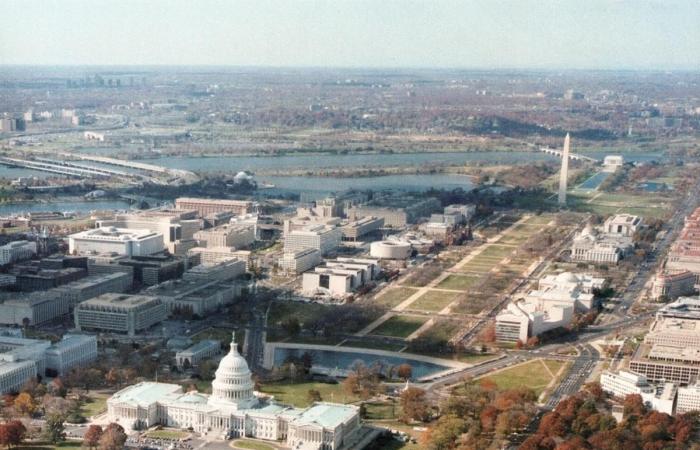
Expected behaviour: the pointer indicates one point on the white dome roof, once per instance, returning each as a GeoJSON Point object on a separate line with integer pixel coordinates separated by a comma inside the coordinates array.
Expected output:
{"type": "Point", "coordinates": [233, 384]}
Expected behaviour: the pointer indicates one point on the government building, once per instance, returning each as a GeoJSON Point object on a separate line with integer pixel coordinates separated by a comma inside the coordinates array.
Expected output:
{"type": "Point", "coordinates": [234, 410]}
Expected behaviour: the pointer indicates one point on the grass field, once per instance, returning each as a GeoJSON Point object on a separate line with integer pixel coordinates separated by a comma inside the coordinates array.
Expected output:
{"type": "Point", "coordinates": [433, 301]}
{"type": "Point", "coordinates": [382, 410]}
{"type": "Point", "coordinates": [400, 326]}
{"type": "Point", "coordinates": [96, 405]}
{"type": "Point", "coordinates": [218, 334]}
{"type": "Point", "coordinates": [297, 394]}
{"type": "Point", "coordinates": [172, 435]}
{"type": "Point", "coordinates": [393, 296]}
{"type": "Point", "coordinates": [304, 312]}
{"type": "Point", "coordinates": [251, 445]}
{"type": "Point", "coordinates": [458, 282]}
{"type": "Point", "coordinates": [533, 375]}
{"type": "Point", "coordinates": [497, 251]}
{"type": "Point", "coordinates": [442, 330]}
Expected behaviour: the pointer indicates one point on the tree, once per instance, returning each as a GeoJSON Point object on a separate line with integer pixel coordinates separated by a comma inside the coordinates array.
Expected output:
{"type": "Point", "coordinates": [414, 405]}
{"type": "Point", "coordinates": [404, 371]}
{"type": "Point", "coordinates": [92, 436]}
{"type": "Point", "coordinates": [113, 437]}
{"type": "Point", "coordinates": [633, 405]}
{"type": "Point", "coordinates": [57, 388]}
{"type": "Point", "coordinates": [314, 396]}
{"type": "Point", "coordinates": [112, 377]}
{"type": "Point", "coordinates": [12, 433]}
{"type": "Point", "coordinates": [54, 430]}
{"type": "Point", "coordinates": [292, 326]}
{"type": "Point", "coordinates": [489, 333]}
{"type": "Point", "coordinates": [24, 403]}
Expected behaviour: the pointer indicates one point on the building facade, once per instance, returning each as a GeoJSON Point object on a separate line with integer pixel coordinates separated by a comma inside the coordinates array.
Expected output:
{"type": "Point", "coordinates": [300, 261]}
{"type": "Point", "coordinates": [17, 251]}
{"type": "Point", "coordinates": [206, 206]}
{"type": "Point", "coordinates": [234, 410]}
{"type": "Point", "coordinates": [119, 313]}
{"type": "Point", "coordinates": [122, 241]}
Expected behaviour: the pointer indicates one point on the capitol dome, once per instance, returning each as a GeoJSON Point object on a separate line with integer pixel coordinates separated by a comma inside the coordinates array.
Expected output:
{"type": "Point", "coordinates": [233, 383]}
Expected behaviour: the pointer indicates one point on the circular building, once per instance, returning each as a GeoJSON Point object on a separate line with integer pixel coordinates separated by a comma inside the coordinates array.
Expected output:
{"type": "Point", "coordinates": [390, 249]}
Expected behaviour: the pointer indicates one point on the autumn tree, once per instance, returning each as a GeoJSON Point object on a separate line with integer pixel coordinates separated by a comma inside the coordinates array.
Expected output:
{"type": "Point", "coordinates": [113, 437]}
{"type": "Point", "coordinates": [24, 403]}
{"type": "Point", "coordinates": [404, 371]}
{"type": "Point", "coordinates": [12, 433]}
{"type": "Point", "coordinates": [414, 405]}
{"type": "Point", "coordinates": [92, 436]}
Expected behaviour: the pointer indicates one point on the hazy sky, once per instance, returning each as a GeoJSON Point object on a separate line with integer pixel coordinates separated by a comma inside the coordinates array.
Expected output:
{"type": "Point", "coordinates": [647, 34]}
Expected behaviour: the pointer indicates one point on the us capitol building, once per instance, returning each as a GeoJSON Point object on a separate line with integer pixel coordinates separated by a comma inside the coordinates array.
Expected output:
{"type": "Point", "coordinates": [234, 410]}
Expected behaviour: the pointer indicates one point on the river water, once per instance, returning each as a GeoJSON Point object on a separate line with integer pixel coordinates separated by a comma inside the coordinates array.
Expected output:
{"type": "Point", "coordinates": [320, 185]}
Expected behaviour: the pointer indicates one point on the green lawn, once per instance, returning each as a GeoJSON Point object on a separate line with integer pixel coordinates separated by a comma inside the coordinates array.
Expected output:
{"type": "Point", "coordinates": [393, 296]}
{"type": "Point", "coordinates": [217, 334]}
{"type": "Point", "coordinates": [96, 405]}
{"type": "Point", "coordinates": [251, 445]}
{"type": "Point", "coordinates": [172, 435]}
{"type": "Point", "coordinates": [442, 330]}
{"type": "Point", "coordinates": [497, 251]}
{"type": "Point", "coordinates": [400, 326]}
{"type": "Point", "coordinates": [382, 410]}
{"type": "Point", "coordinates": [304, 312]}
{"type": "Point", "coordinates": [458, 282]}
{"type": "Point", "coordinates": [297, 394]}
{"type": "Point", "coordinates": [532, 375]}
{"type": "Point", "coordinates": [433, 301]}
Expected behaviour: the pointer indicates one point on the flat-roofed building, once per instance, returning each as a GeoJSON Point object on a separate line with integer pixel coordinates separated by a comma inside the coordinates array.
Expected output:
{"type": "Point", "coordinates": [688, 399]}
{"type": "Point", "coordinates": [673, 285]}
{"type": "Point", "coordinates": [17, 251]}
{"type": "Point", "coordinates": [216, 255]}
{"type": "Point", "coordinates": [660, 398]}
{"type": "Point", "coordinates": [339, 278]}
{"type": "Point", "coordinates": [354, 230]}
{"type": "Point", "coordinates": [622, 225]}
{"type": "Point", "coordinates": [14, 375]}
{"type": "Point", "coordinates": [390, 249]}
{"type": "Point", "coordinates": [393, 217]}
{"type": "Point", "coordinates": [300, 261]}
{"type": "Point", "coordinates": [674, 331]}
{"type": "Point", "coordinates": [324, 238]}
{"type": "Point", "coordinates": [32, 279]}
{"type": "Point", "coordinates": [223, 271]}
{"type": "Point", "coordinates": [193, 355]}
{"type": "Point", "coordinates": [237, 236]}
{"type": "Point", "coordinates": [120, 313]}
{"type": "Point", "coordinates": [122, 241]}
{"type": "Point", "coordinates": [73, 350]}
{"type": "Point", "coordinates": [199, 297]}
{"type": "Point", "coordinates": [95, 285]}
{"type": "Point", "coordinates": [613, 162]}
{"type": "Point", "coordinates": [523, 319]}
{"type": "Point", "coordinates": [177, 226]}
{"type": "Point", "coordinates": [465, 211]}
{"type": "Point", "coordinates": [206, 206]}
{"type": "Point", "coordinates": [37, 308]}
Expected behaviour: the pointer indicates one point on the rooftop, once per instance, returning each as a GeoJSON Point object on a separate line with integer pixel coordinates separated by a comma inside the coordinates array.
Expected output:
{"type": "Point", "coordinates": [145, 393]}
{"type": "Point", "coordinates": [327, 415]}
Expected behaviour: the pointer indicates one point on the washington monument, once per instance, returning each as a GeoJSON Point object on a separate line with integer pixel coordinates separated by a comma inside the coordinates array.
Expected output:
{"type": "Point", "coordinates": [564, 174]}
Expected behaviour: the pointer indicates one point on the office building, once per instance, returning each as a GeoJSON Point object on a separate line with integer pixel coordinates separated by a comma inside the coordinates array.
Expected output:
{"type": "Point", "coordinates": [17, 251]}
{"type": "Point", "coordinates": [222, 271]}
{"type": "Point", "coordinates": [176, 226]}
{"type": "Point", "coordinates": [354, 230]}
{"type": "Point", "coordinates": [324, 238]}
{"type": "Point", "coordinates": [35, 308]}
{"type": "Point", "coordinates": [673, 285]}
{"type": "Point", "coordinates": [119, 313]}
{"type": "Point", "coordinates": [215, 255]}
{"type": "Point", "coordinates": [73, 350]}
{"type": "Point", "coordinates": [32, 278]}
{"type": "Point", "coordinates": [145, 270]}
{"type": "Point", "coordinates": [95, 285]}
{"type": "Point", "coordinates": [234, 410]}
{"type": "Point", "coordinates": [688, 399]}
{"type": "Point", "coordinates": [238, 236]}
{"type": "Point", "coordinates": [193, 355]}
{"type": "Point", "coordinates": [622, 225]}
{"type": "Point", "coordinates": [462, 213]}
{"type": "Point", "coordinates": [685, 251]}
{"type": "Point", "coordinates": [122, 241]}
{"type": "Point", "coordinates": [206, 206]}
{"type": "Point", "coordinates": [300, 261]}
{"type": "Point", "coordinates": [196, 297]}
{"type": "Point", "coordinates": [661, 398]}
{"type": "Point", "coordinates": [14, 375]}
{"type": "Point", "coordinates": [393, 217]}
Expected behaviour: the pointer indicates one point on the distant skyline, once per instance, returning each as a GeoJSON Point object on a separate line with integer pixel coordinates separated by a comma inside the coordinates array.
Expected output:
{"type": "Point", "coordinates": [485, 34]}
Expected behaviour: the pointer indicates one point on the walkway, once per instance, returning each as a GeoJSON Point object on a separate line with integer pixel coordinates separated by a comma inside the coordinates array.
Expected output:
{"type": "Point", "coordinates": [440, 278]}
